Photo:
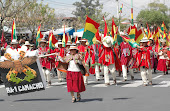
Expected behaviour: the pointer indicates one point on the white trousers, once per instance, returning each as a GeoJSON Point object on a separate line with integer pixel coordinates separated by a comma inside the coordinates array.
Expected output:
{"type": "Point", "coordinates": [146, 75]}
{"type": "Point", "coordinates": [61, 75]}
{"type": "Point", "coordinates": [86, 77]}
{"type": "Point", "coordinates": [97, 71]}
{"type": "Point", "coordinates": [47, 74]}
{"type": "Point", "coordinates": [124, 70]}
{"type": "Point", "coordinates": [110, 68]}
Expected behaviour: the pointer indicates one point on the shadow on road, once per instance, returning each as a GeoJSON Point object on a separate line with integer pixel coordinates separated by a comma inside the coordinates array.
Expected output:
{"type": "Point", "coordinates": [1, 100]}
{"type": "Point", "coordinates": [90, 100]}
{"type": "Point", "coordinates": [121, 98]}
{"type": "Point", "coordinates": [36, 100]}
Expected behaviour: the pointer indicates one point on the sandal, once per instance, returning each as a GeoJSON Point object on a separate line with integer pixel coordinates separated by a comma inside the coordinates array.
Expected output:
{"type": "Point", "coordinates": [79, 97]}
{"type": "Point", "coordinates": [73, 99]}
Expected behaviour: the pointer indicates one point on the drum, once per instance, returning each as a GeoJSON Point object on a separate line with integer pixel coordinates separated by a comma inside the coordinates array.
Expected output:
{"type": "Point", "coordinates": [62, 67]}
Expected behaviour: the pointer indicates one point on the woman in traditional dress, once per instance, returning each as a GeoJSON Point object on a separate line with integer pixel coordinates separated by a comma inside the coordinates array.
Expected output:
{"type": "Point", "coordinates": [74, 76]}
{"type": "Point", "coordinates": [163, 58]}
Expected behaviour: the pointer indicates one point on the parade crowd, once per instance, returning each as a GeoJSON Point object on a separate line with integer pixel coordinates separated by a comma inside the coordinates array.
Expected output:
{"type": "Point", "coordinates": [75, 62]}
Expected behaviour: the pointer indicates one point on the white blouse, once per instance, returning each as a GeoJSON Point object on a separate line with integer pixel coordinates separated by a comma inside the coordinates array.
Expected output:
{"type": "Point", "coordinates": [73, 67]}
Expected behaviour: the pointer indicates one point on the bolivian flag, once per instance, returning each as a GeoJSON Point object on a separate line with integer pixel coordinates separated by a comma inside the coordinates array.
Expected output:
{"type": "Point", "coordinates": [163, 27]}
{"type": "Point", "coordinates": [149, 32]}
{"type": "Point", "coordinates": [139, 36]}
{"type": "Point", "coordinates": [156, 36]}
{"type": "Point", "coordinates": [52, 41]}
{"type": "Point", "coordinates": [132, 32]}
{"type": "Point", "coordinates": [113, 28]}
{"type": "Point", "coordinates": [13, 34]}
{"type": "Point", "coordinates": [131, 42]}
{"type": "Point", "coordinates": [39, 36]}
{"type": "Point", "coordinates": [90, 29]}
{"type": "Point", "coordinates": [157, 47]}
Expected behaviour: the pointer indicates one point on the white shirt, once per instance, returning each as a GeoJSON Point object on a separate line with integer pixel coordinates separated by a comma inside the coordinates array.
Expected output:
{"type": "Point", "coordinates": [73, 67]}
{"type": "Point", "coordinates": [161, 56]}
{"type": "Point", "coordinates": [14, 53]}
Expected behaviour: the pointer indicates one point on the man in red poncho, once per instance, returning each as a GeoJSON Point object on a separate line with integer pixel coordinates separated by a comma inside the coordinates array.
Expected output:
{"type": "Point", "coordinates": [107, 58]}
{"type": "Point", "coordinates": [46, 62]}
{"type": "Point", "coordinates": [144, 62]}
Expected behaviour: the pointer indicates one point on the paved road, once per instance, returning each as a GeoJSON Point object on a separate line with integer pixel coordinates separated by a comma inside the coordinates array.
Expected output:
{"type": "Point", "coordinates": [128, 96]}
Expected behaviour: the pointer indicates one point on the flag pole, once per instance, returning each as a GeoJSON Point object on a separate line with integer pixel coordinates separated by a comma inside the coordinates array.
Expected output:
{"type": "Point", "coordinates": [132, 13]}
{"type": "Point", "coordinates": [118, 15]}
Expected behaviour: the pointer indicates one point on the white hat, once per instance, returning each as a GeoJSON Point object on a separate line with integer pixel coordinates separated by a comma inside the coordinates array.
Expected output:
{"type": "Point", "coordinates": [77, 42]}
{"type": "Point", "coordinates": [43, 40]}
{"type": "Point", "coordinates": [122, 33]}
{"type": "Point", "coordinates": [163, 40]}
{"type": "Point", "coordinates": [56, 45]}
{"type": "Point", "coordinates": [14, 41]}
{"type": "Point", "coordinates": [73, 47]}
{"type": "Point", "coordinates": [59, 40]}
{"type": "Point", "coordinates": [145, 39]}
{"type": "Point", "coordinates": [85, 40]}
{"type": "Point", "coordinates": [151, 38]}
{"type": "Point", "coordinates": [107, 41]}
{"type": "Point", "coordinates": [27, 43]}
{"type": "Point", "coordinates": [59, 43]}
{"type": "Point", "coordinates": [68, 43]}
{"type": "Point", "coordinates": [73, 44]}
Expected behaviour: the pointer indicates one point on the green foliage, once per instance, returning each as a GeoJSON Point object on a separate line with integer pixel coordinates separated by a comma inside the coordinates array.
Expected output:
{"type": "Point", "coordinates": [155, 15]}
{"type": "Point", "coordinates": [92, 8]}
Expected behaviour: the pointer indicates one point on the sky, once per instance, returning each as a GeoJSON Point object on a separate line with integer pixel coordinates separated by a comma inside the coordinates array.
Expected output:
{"type": "Point", "coordinates": [109, 6]}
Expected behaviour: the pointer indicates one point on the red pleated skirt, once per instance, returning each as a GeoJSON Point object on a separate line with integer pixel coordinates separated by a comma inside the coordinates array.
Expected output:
{"type": "Point", "coordinates": [162, 65]}
{"type": "Point", "coordinates": [75, 82]}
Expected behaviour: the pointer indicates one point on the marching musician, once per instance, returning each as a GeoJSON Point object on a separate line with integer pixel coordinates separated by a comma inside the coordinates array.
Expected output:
{"type": "Point", "coordinates": [154, 59]}
{"type": "Point", "coordinates": [126, 55]}
{"type": "Point", "coordinates": [83, 51]}
{"type": "Point", "coordinates": [106, 57]}
{"type": "Point", "coordinates": [163, 57]}
{"type": "Point", "coordinates": [61, 52]}
{"type": "Point", "coordinates": [46, 62]}
{"type": "Point", "coordinates": [97, 47]}
{"type": "Point", "coordinates": [144, 62]}
{"type": "Point", "coordinates": [13, 50]}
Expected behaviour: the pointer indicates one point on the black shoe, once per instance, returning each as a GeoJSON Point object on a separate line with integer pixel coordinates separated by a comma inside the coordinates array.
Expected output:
{"type": "Point", "coordinates": [79, 97]}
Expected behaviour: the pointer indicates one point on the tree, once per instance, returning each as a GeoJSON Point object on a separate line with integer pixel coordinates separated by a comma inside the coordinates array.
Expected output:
{"type": "Point", "coordinates": [36, 14]}
{"type": "Point", "coordinates": [9, 9]}
{"type": "Point", "coordinates": [92, 8]}
{"type": "Point", "coordinates": [155, 15]}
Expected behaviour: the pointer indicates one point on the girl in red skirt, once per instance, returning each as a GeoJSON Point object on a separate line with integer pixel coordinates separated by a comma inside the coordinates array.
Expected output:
{"type": "Point", "coordinates": [163, 58]}
{"type": "Point", "coordinates": [74, 76]}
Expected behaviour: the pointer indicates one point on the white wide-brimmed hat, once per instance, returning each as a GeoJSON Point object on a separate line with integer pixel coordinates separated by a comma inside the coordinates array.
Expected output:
{"type": "Point", "coordinates": [151, 38]}
{"type": "Point", "coordinates": [77, 42]}
{"type": "Point", "coordinates": [145, 39]}
{"type": "Point", "coordinates": [14, 41]}
{"type": "Point", "coordinates": [68, 43]}
{"type": "Point", "coordinates": [73, 48]}
{"type": "Point", "coordinates": [43, 41]}
{"type": "Point", "coordinates": [59, 43]}
{"type": "Point", "coordinates": [73, 44]}
{"type": "Point", "coordinates": [27, 43]}
{"type": "Point", "coordinates": [163, 40]}
{"type": "Point", "coordinates": [83, 40]}
{"type": "Point", "coordinates": [107, 41]}
{"type": "Point", "coordinates": [56, 45]}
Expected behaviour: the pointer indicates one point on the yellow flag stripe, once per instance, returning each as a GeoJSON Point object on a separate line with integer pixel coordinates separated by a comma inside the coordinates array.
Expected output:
{"type": "Point", "coordinates": [132, 32]}
{"type": "Point", "coordinates": [90, 27]}
{"type": "Point", "coordinates": [139, 38]}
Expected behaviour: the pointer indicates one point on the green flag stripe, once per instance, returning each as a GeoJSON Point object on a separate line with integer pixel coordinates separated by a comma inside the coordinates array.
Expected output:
{"type": "Point", "coordinates": [132, 36]}
{"type": "Point", "coordinates": [89, 36]}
